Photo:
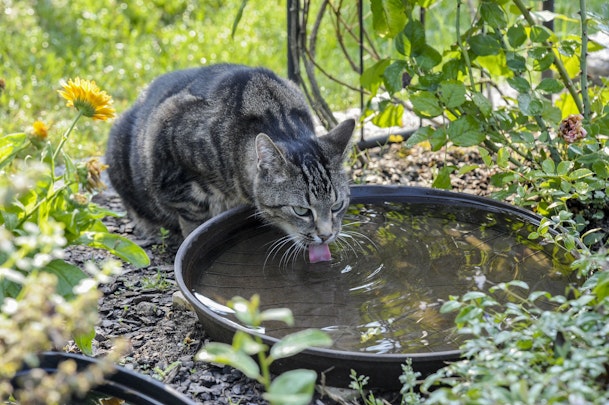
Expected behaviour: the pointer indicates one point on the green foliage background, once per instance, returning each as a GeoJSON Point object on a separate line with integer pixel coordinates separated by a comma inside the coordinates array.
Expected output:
{"type": "Point", "coordinates": [123, 45]}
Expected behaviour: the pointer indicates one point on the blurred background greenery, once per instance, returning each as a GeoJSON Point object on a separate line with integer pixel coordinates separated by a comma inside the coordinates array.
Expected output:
{"type": "Point", "coordinates": [122, 45]}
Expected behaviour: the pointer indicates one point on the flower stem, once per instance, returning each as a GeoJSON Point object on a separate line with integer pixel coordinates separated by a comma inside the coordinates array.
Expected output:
{"type": "Point", "coordinates": [64, 138]}
{"type": "Point", "coordinates": [264, 362]}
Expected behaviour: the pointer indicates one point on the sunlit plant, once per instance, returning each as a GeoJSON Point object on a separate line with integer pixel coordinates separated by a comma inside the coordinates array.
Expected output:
{"type": "Point", "coordinates": [520, 93]}
{"type": "Point", "coordinates": [293, 387]}
{"type": "Point", "coordinates": [545, 135]}
{"type": "Point", "coordinates": [45, 207]}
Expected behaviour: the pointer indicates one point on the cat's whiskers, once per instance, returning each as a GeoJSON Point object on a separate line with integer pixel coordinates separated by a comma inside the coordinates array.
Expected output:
{"type": "Point", "coordinates": [292, 253]}
{"type": "Point", "coordinates": [275, 247]}
{"type": "Point", "coordinates": [354, 240]}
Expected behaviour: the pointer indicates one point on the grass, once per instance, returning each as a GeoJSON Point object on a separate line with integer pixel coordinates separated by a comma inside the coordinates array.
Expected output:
{"type": "Point", "coordinates": [123, 46]}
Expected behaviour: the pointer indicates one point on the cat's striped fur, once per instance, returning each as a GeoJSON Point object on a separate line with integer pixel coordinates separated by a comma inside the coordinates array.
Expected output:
{"type": "Point", "coordinates": [203, 140]}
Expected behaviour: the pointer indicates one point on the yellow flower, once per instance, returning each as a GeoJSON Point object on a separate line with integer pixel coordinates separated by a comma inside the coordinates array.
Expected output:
{"type": "Point", "coordinates": [395, 138]}
{"type": "Point", "coordinates": [41, 130]}
{"type": "Point", "coordinates": [86, 97]}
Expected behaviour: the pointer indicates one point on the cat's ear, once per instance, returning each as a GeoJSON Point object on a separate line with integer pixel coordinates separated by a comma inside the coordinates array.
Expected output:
{"type": "Point", "coordinates": [270, 157]}
{"type": "Point", "coordinates": [336, 142]}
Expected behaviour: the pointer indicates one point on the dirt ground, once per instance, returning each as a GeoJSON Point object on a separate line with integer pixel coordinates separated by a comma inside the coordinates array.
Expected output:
{"type": "Point", "coordinates": [137, 305]}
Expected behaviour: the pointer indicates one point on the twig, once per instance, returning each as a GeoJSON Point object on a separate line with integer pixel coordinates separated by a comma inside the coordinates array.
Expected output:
{"type": "Point", "coordinates": [461, 47]}
{"type": "Point", "coordinates": [562, 71]}
{"type": "Point", "coordinates": [584, 60]}
{"type": "Point", "coordinates": [324, 111]}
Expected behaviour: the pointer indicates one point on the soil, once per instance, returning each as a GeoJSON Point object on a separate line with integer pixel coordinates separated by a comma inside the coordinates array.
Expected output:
{"type": "Point", "coordinates": [164, 336]}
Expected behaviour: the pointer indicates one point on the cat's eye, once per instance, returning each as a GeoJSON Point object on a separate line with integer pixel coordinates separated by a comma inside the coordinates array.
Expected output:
{"type": "Point", "coordinates": [337, 206]}
{"type": "Point", "coordinates": [301, 211]}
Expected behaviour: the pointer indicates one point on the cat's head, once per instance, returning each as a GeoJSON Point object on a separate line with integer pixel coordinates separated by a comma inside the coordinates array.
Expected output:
{"type": "Point", "coordinates": [302, 187]}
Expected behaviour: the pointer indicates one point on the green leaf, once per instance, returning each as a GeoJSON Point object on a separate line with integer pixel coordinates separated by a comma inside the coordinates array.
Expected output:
{"type": "Point", "coordinates": [542, 58]}
{"type": "Point", "coordinates": [393, 76]}
{"type": "Point", "coordinates": [246, 343]}
{"type": "Point", "coordinates": [580, 174]}
{"type": "Point", "coordinates": [473, 295]}
{"type": "Point", "coordinates": [68, 276]}
{"type": "Point", "coordinates": [246, 311]}
{"type": "Point", "coordinates": [550, 86]}
{"type": "Point", "coordinates": [483, 45]}
{"type": "Point", "coordinates": [529, 105]}
{"type": "Point", "coordinates": [467, 314]}
{"type": "Point", "coordinates": [452, 93]}
{"type": "Point", "coordinates": [438, 139]}
{"type": "Point", "coordinates": [421, 135]}
{"type": "Point", "coordinates": [415, 32]}
{"type": "Point", "coordinates": [503, 155]}
{"type": "Point", "coordinates": [564, 167]}
{"type": "Point", "coordinates": [391, 116]}
{"type": "Point", "coordinates": [485, 156]}
{"type": "Point", "coordinates": [601, 289]}
{"type": "Point", "coordinates": [10, 145]}
{"type": "Point", "coordinates": [294, 387]}
{"type": "Point", "coordinates": [519, 84]}
{"type": "Point", "coordinates": [84, 341]}
{"type": "Point", "coordinates": [225, 354]}
{"type": "Point", "coordinates": [518, 283]}
{"type": "Point", "coordinates": [428, 58]}
{"type": "Point", "coordinates": [466, 169]}
{"type": "Point", "coordinates": [452, 68]}
{"type": "Point", "coordinates": [372, 78]}
{"type": "Point", "coordinates": [388, 17]}
{"type": "Point", "coordinates": [515, 62]}
{"type": "Point", "coordinates": [442, 180]}
{"type": "Point", "coordinates": [426, 105]}
{"type": "Point", "coordinates": [484, 104]}
{"type": "Point", "coordinates": [548, 167]}
{"type": "Point", "coordinates": [8, 289]}
{"type": "Point", "coordinates": [516, 34]}
{"type": "Point", "coordinates": [540, 34]}
{"type": "Point", "coordinates": [450, 306]}
{"type": "Point", "coordinates": [119, 246]}
{"type": "Point", "coordinates": [493, 15]}
{"type": "Point", "coordinates": [238, 17]}
{"type": "Point", "coordinates": [278, 314]}
{"type": "Point", "coordinates": [297, 342]}
{"type": "Point", "coordinates": [466, 131]}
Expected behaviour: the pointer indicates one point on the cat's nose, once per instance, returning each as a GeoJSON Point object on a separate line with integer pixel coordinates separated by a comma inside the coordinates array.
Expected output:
{"type": "Point", "coordinates": [324, 237]}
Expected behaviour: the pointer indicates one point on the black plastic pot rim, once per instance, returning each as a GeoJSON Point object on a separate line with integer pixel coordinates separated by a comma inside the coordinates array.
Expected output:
{"type": "Point", "coordinates": [122, 383]}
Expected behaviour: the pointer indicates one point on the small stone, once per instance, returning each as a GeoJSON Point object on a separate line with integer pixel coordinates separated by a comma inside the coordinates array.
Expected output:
{"type": "Point", "coordinates": [179, 301]}
{"type": "Point", "coordinates": [146, 308]}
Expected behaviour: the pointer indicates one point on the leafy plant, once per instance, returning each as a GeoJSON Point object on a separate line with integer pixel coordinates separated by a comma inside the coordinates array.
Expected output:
{"type": "Point", "coordinates": [45, 208]}
{"type": "Point", "coordinates": [409, 391]}
{"type": "Point", "coordinates": [490, 89]}
{"type": "Point", "coordinates": [45, 304]}
{"type": "Point", "coordinates": [521, 352]}
{"type": "Point", "coordinates": [292, 387]}
{"type": "Point", "coordinates": [358, 383]}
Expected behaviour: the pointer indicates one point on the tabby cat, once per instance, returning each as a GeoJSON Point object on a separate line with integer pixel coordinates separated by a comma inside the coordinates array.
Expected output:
{"type": "Point", "coordinates": [200, 141]}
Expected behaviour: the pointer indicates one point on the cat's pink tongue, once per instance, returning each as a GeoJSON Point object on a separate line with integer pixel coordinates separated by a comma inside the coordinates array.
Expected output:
{"type": "Point", "coordinates": [319, 253]}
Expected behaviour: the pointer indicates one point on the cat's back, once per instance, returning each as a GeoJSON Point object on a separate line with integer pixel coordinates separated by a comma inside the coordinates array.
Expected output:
{"type": "Point", "coordinates": [233, 91]}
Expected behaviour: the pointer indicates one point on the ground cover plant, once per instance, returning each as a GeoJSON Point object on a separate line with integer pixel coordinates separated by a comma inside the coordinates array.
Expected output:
{"type": "Point", "coordinates": [123, 45]}
{"type": "Point", "coordinates": [481, 83]}
{"type": "Point", "coordinates": [47, 302]}
{"type": "Point", "coordinates": [546, 131]}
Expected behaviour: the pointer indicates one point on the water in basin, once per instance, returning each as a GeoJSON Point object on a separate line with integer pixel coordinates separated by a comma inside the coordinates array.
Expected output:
{"type": "Point", "coordinates": [384, 287]}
